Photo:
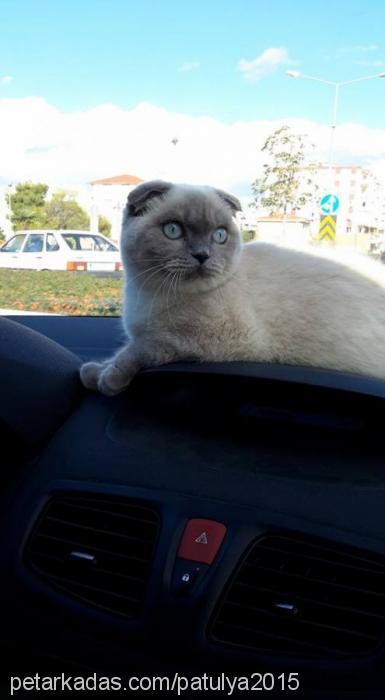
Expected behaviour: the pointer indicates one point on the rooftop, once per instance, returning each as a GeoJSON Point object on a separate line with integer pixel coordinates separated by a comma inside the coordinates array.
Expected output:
{"type": "Point", "coordinates": [281, 217]}
{"type": "Point", "coordinates": [325, 166]}
{"type": "Point", "coordinates": [118, 180]}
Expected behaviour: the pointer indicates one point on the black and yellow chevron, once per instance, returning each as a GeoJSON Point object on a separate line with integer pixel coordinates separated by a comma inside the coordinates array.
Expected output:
{"type": "Point", "coordinates": [327, 228]}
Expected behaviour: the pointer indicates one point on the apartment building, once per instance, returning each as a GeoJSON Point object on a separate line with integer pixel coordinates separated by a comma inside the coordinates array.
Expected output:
{"type": "Point", "coordinates": [361, 212]}
{"type": "Point", "coordinates": [108, 197]}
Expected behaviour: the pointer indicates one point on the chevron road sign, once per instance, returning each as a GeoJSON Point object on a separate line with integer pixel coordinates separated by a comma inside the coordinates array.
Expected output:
{"type": "Point", "coordinates": [327, 228]}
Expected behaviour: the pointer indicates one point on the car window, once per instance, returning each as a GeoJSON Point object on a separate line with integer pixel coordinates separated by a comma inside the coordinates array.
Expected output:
{"type": "Point", "coordinates": [87, 242]}
{"type": "Point", "coordinates": [13, 245]}
{"type": "Point", "coordinates": [34, 243]}
{"type": "Point", "coordinates": [51, 244]}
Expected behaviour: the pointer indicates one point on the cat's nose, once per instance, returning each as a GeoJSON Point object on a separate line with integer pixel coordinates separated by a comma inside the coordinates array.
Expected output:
{"type": "Point", "coordinates": [201, 256]}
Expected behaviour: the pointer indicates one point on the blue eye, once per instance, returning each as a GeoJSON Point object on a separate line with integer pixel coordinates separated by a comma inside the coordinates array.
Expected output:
{"type": "Point", "coordinates": [172, 230]}
{"type": "Point", "coordinates": [220, 235]}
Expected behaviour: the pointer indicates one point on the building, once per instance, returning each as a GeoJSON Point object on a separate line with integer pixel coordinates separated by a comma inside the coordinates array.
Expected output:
{"type": "Point", "coordinates": [108, 198]}
{"type": "Point", "coordinates": [290, 229]}
{"type": "Point", "coordinates": [361, 212]}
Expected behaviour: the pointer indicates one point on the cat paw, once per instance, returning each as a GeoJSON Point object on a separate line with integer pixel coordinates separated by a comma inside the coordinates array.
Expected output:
{"type": "Point", "coordinates": [90, 373]}
{"type": "Point", "coordinates": [112, 380]}
{"type": "Point", "coordinates": [104, 377]}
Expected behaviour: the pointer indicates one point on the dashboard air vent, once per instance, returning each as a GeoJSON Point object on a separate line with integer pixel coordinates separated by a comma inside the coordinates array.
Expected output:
{"type": "Point", "coordinates": [304, 596]}
{"type": "Point", "coordinates": [97, 548]}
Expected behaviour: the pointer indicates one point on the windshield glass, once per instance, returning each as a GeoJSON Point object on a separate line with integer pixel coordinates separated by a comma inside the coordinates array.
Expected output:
{"type": "Point", "coordinates": [13, 245]}
{"type": "Point", "coordinates": [279, 104]}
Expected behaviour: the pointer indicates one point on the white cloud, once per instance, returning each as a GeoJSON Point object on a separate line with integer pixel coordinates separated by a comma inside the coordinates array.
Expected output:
{"type": "Point", "coordinates": [5, 79]}
{"type": "Point", "coordinates": [189, 66]}
{"type": "Point", "coordinates": [40, 143]}
{"type": "Point", "coordinates": [264, 64]}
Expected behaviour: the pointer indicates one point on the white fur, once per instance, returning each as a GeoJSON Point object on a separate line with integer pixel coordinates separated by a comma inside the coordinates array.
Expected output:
{"type": "Point", "coordinates": [277, 305]}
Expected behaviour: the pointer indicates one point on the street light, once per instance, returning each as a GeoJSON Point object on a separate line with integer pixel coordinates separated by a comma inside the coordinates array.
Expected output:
{"type": "Point", "coordinates": [337, 85]}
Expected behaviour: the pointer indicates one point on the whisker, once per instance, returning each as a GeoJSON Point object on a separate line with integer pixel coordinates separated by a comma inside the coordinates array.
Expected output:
{"type": "Point", "coordinates": [156, 271]}
{"type": "Point", "coordinates": [172, 276]}
{"type": "Point", "coordinates": [153, 258]}
{"type": "Point", "coordinates": [159, 268]}
{"type": "Point", "coordinates": [175, 282]}
{"type": "Point", "coordinates": [178, 291]}
{"type": "Point", "coordinates": [132, 279]}
{"type": "Point", "coordinates": [156, 294]}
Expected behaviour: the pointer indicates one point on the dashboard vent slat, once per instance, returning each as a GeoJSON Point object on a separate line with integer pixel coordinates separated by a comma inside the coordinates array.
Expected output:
{"type": "Point", "coordinates": [98, 549]}
{"type": "Point", "coordinates": [304, 596]}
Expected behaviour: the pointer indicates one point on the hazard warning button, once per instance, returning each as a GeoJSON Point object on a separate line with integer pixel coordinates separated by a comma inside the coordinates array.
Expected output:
{"type": "Point", "coordinates": [201, 540]}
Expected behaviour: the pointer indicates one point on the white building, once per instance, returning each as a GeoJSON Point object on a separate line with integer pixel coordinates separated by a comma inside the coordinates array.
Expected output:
{"type": "Point", "coordinates": [289, 230]}
{"type": "Point", "coordinates": [108, 198]}
{"type": "Point", "coordinates": [361, 212]}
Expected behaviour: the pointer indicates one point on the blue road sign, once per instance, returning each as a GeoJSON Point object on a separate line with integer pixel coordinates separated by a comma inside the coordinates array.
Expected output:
{"type": "Point", "coordinates": [329, 204]}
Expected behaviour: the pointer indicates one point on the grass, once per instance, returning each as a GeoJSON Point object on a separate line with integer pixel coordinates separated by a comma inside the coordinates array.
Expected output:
{"type": "Point", "coordinates": [70, 293]}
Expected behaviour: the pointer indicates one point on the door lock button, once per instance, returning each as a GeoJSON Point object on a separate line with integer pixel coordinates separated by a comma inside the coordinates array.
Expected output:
{"type": "Point", "coordinates": [187, 574]}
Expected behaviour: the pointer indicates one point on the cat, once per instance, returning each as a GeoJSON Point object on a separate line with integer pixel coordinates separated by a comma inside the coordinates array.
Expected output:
{"type": "Point", "coordinates": [193, 291]}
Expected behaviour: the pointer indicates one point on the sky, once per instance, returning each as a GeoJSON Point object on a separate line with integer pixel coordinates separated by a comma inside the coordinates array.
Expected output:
{"type": "Point", "coordinates": [93, 88]}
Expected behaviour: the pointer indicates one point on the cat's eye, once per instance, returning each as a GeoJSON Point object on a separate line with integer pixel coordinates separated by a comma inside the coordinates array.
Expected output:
{"type": "Point", "coordinates": [220, 235]}
{"type": "Point", "coordinates": [172, 230]}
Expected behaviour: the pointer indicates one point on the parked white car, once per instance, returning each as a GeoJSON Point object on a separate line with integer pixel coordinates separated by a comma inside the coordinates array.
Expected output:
{"type": "Point", "coordinates": [60, 250]}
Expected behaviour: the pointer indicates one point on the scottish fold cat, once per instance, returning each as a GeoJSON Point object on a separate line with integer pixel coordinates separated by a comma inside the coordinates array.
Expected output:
{"type": "Point", "coordinates": [193, 291]}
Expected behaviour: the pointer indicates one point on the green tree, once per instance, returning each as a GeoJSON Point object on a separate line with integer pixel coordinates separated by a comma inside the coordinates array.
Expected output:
{"type": "Point", "coordinates": [62, 212]}
{"type": "Point", "coordinates": [27, 205]}
{"type": "Point", "coordinates": [2, 236]}
{"type": "Point", "coordinates": [248, 235]}
{"type": "Point", "coordinates": [283, 188]}
{"type": "Point", "coordinates": [104, 226]}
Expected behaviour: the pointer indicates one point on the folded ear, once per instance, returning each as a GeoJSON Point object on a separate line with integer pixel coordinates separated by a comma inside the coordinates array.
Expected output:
{"type": "Point", "coordinates": [141, 195]}
{"type": "Point", "coordinates": [232, 201]}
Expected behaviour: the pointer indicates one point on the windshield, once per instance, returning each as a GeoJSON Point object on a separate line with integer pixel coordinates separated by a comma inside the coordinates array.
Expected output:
{"type": "Point", "coordinates": [13, 245]}
{"type": "Point", "coordinates": [279, 104]}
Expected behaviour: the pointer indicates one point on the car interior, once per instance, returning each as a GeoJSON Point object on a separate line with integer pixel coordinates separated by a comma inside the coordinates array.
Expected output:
{"type": "Point", "coordinates": [212, 517]}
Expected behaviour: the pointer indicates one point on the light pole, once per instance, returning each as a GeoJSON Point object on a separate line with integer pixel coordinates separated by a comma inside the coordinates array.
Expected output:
{"type": "Point", "coordinates": [337, 85]}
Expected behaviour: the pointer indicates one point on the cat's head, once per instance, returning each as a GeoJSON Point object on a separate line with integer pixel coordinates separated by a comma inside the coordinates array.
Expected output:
{"type": "Point", "coordinates": [184, 233]}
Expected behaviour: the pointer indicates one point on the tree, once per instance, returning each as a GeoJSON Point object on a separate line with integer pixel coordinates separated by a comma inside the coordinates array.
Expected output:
{"type": "Point", "coordinates": [62, 212]}
{"type": "Point", "coordinates": [27, 205]}
{"type": "Point", "coordinates": [30, 210]}
{"type": "Point", "coordinates": [104, 226]}
{"type": "Point", "coordinates": [249, 235]}
{"type": "Point", "coordinates": [281, 189]}
{"type": "Point", "coordinates": [2, 236]}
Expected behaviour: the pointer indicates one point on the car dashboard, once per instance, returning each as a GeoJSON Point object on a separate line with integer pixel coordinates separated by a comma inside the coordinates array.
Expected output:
{"type": "Point", "coordinates": [211, 518]}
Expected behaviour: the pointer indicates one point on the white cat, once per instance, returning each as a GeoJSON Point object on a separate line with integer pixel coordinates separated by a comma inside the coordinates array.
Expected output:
{"type": "Point", "coordinates": [193, 291]}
